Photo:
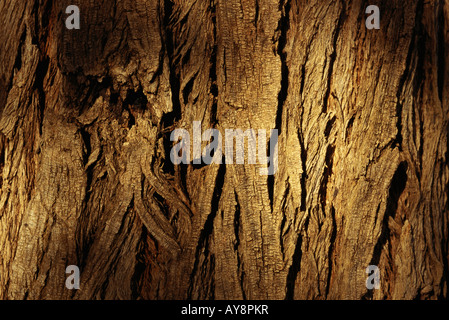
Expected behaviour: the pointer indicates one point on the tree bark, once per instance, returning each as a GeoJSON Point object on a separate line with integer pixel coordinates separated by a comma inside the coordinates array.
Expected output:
{"type": "Point", "coordinates": [86, 176]}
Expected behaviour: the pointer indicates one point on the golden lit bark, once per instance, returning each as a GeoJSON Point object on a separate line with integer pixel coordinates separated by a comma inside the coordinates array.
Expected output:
{"type": "Point", "coordinates": [86, 176]}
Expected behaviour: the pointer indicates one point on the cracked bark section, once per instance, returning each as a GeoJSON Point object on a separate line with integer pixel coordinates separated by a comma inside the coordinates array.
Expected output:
{"type": "Point", "coordinates": [86, 176]}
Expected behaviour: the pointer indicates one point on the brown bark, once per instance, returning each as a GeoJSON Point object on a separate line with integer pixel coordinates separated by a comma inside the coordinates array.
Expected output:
{"type": "Point", "coordinates": [85, 123]}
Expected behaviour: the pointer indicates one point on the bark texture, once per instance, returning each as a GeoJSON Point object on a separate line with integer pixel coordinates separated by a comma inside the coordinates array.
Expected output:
{"type": "Point", "coordinates": [86, 177]}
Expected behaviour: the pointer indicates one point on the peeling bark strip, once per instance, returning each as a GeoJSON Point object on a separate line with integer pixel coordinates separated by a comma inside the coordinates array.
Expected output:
{"type": "Point", "coordinates": [87, 180]}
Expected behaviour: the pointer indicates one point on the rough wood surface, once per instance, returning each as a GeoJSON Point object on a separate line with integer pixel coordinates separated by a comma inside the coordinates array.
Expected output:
{"type": "Point", "coordinates": [86, 177]}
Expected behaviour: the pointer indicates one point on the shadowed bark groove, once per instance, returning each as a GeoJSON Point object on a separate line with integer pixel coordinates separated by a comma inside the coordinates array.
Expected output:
{"type": "Point", "coordinates": [86, 176]}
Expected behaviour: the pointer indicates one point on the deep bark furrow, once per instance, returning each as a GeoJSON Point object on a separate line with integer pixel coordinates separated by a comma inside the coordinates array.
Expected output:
{"type": "Point", "coordinates": [333, 56]}
{"type": "Point", "coordinates": [441, 66]}
{"type": "Point", "coordinates": [207, 229]}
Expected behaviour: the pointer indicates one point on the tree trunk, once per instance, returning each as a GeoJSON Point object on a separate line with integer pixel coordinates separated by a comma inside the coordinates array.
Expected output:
{"type": "Point", "coordinates": [86, 175]}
